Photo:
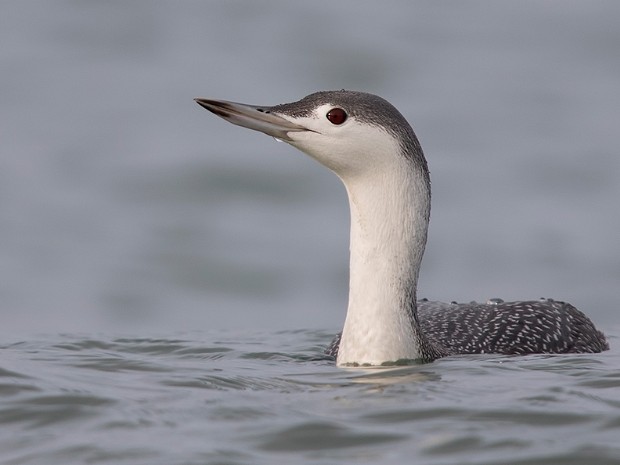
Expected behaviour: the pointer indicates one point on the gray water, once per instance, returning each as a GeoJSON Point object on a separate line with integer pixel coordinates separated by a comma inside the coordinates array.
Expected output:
{"type": "Point", "coordinates": [168, 281]}
{"type": "Point", "coordinates": [271, 397]}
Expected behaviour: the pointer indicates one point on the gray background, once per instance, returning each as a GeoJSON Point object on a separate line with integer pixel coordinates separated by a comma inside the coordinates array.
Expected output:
{"type": "Point", "coordinates": [124, 207]}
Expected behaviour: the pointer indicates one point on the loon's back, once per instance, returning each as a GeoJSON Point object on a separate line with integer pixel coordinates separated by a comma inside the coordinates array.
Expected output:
{"type": "Point", "coordinates": [541, 326]}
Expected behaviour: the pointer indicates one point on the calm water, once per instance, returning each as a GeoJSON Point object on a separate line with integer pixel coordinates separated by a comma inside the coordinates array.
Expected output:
{"type": "Point", "coordinates": [168, 281]}
{"type": "Point", "coordinates": [207, 398]}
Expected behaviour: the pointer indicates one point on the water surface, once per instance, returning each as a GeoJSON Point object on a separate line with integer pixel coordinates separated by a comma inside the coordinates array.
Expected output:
{"type": "Point", "coordinates": [206, 398]}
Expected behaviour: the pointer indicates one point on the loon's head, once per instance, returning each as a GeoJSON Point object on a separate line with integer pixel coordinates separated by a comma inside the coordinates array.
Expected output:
{"type": "Point", "coordinates": [351, 133]}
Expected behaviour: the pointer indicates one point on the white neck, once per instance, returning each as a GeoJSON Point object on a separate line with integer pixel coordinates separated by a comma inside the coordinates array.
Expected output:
{"type": "Point", "coordinates": [389, 222]}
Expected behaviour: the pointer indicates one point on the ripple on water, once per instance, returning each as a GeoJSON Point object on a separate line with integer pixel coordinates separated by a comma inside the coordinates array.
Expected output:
{"type": "Point", "coordinates": [321, 436]}
{"type": "Point", "coordinates": [47, 410]}
{"type": "Point", "coordinates": [275, 398]}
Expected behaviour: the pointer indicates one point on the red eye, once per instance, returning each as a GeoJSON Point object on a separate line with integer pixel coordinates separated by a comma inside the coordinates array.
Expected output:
{"type": "Point", "coordinates": [337, 116]}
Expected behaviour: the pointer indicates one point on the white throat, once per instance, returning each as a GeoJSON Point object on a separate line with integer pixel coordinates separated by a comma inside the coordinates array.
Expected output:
{"type": "Point", "coordinates": [389, 221]}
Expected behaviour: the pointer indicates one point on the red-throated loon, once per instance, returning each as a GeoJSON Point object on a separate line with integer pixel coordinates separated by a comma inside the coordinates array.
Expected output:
{"type": "Point", "coordinates": [374, 151]}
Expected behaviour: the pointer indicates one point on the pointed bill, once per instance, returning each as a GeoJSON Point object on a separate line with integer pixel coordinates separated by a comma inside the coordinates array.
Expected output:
{"type": "Point", "coordinates": [251, 117]}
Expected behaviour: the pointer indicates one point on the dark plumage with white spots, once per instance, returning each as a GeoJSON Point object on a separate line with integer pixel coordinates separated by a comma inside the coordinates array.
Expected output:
{"type": "Point", "coordinates": [542, 326]}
